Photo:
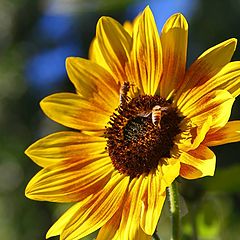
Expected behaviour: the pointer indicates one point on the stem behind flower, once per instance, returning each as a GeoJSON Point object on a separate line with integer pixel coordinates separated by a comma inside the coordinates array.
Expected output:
{"type": "Point", "coordinates": [175, 210]}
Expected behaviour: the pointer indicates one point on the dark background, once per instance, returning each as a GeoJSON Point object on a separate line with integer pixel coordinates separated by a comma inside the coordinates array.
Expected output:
{"type": "Point", "coordinates": [35, 38]}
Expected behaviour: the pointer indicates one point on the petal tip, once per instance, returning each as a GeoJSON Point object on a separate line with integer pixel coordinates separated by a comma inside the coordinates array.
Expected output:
{"type": "Point", "coordinates": [68, 61]}
{"type": "Point", "coordinates": [50, 233]}
{"type": "Point", "coordinates": [42, 105]}
{"type": "Point", "coordinates": [177, 20]}
{"type": "Point", "coordinates": [102, 20]}
{"type": "Point", "coordinates": [234, 42]}
{"type": "Point", "coordinates": [230, 43]}
{"type": "Point", "coordinates": [44, 102]}
{"type": "Point", "coordinates": [28, 191]}
{"type": "Point", "coordinates": [147, 11]}
{"type": "Point", "coordinates": [28, 151]}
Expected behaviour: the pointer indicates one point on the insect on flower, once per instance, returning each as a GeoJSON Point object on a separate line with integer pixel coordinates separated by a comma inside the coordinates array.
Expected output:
{"type": "Point", "coordinates": [123, 93]}
{"type": "Point", "coordinates": [157, 113]}
{"type": "Point", "coordinates": [139, 119]}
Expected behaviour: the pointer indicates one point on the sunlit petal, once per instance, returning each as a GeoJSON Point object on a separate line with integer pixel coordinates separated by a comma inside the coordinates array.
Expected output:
{"type": "Point", "coordinates": [217, 104]}
{"type": "Point", "coordinates": [93, 82]}
{"type": "Point", "coordinates": [204, 68]}
{"type": "Point", "coordinates": [198, 163]}
{"type": "Point", "coordinates": [115, 45]}
{"type": "Point", "coordinates": [228, 134]}
{"type": "Point", "coordinates": [152, 203]}
{"type": "Point", "coordinates": [130, 222]}
{"type": "Point", "coordinates": [70, 181]}
{"type": "Point", "coordinates": [174, 38]}
{"type": "Point", "coordinates": [62, 146]}
{"type": "Point", "coordinates": [98, 210]}
{"type": "Point", "coordinates": [72, 111]}
{"type": "Point", "coordinates": [145, 66]}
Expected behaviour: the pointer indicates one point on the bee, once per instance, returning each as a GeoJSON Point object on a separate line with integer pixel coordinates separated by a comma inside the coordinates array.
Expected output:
{"type": "Point", "coordinates": [124, 93]}
{"type": "Point", "coordinates": [157, 113]}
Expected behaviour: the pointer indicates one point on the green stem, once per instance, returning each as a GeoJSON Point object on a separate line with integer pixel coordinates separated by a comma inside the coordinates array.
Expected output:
{"type": "Point", "coordinates": [175, 210]}
{"type": "Point", "coordinates": [155, 236]}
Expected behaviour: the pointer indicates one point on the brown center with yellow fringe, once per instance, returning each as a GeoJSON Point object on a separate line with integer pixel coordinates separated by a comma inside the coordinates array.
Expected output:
{"type": "Point", "coordinates": [141, 133]}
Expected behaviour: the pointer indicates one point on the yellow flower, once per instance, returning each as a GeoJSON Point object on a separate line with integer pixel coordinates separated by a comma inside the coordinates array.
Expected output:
{"type": "Point", "coordinates": [141, 121]}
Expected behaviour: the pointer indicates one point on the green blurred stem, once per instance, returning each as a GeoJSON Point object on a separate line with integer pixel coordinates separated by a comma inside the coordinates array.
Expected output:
{"type": "Point", "coordinates": [175, 210]}
{"type": "Point", "coordinates": [193, 220]}
{"type": "Point", "coordinates": [155, 236]}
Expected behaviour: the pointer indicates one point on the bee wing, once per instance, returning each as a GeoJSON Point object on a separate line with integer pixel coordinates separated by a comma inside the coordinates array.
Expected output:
{"type": "Point", "coordinates": [144, 113]}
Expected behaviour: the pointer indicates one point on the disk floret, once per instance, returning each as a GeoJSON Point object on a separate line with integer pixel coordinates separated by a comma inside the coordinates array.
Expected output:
{"type": "Point", "coordinates": [139, 138]}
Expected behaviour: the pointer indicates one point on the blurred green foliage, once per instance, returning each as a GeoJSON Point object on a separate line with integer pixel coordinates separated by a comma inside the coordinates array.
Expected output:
{"type": "Point", "coordinates": [213, 203]}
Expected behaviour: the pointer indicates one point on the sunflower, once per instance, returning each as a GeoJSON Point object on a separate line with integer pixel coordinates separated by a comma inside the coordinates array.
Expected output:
{"type": "Point", "coordinates": [141, 120]}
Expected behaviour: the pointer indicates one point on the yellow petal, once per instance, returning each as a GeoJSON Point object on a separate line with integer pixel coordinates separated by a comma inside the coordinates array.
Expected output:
{"type": "Point", "coordinates": [141, 235]}
{"type": "Point", "coordinates": [95, 55]}
{"type": "Point", "coordinates": [174, 38]}
{"type": "Point", "coordinates": [129, 26]}
{"type": "Point", "coordinates": [152, 203]}
{"type": "Point", "coordinates": [145, 66]}
{"type": "Point", "coordinates": [110, 229]}
{"type": "Point", "coordinates": [115, 45]}
{"type": "Point", "coordinates": [217, 104]}
{"type": "Point", "coordinates": [93, 81]}
{"type": "Point", "coordinates": [170, 170]}
{"type": "Point", "coordinates": [70, 181]}
{"type": "Point", "coordinates": [228, 134]}
{"type": "Point", "coordinates": [98, 210]}
{"type": "Point", "coordinates": [62, 146]}
{"type": "Point", "coordinates": [192, 138]}
{"type": "Point", "coordinates": [72, 111]}
{"type": "Point", "coordinates": [228, 79]}
{"type": "Point", "coordinates": [197, 163]}
{"type": "Point", "coordinates": [205, 67]}
{"type": "Point", "coordinates": [130, 223]}
{"type": "Point", "coordinates": [58, 226]}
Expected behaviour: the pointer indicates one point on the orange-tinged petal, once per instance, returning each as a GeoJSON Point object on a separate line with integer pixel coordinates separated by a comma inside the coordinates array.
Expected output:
{"type": "Point", "coordinates": [141, 235]}
{"type": "Point", "coordinates": [93, 81]}
{"type": "Point", "coordinates": [205, 67]}
{"type": "Point", "coordinates": [130, 222]}
{"type": "Point", "coordinates": [70, 181]}
{"type": "Point", "coordinates": [228, 134]}
{"type": "Point", "coordinates": [72, 111]}
{"type": "Point", "coordinates": [152, 203]}
{"type": "Point", "coordinates": [115, 45]}
{"type": "Point", "coordinates": [98, 210]}
{"type": "Point", "coordinates": [194, 137]}
{"type": "Point", "coordinates": [228, 79]}
{"type": "Point", "coordinates": [62, 146]}
{"type": "Point", "coordinates": [174, 39]}
{"type": "Point", "coordinates": [145, 66]}
{"type": "Point", "coordinates": [197, 163]}
{"type": "Point", "coordinates": [217, 104]}
{"type": "Point", "coordinates": [110, 229]}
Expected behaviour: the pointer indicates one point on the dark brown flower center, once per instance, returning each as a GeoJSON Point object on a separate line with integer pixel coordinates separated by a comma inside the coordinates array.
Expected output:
{"type": "Point", "coordinates": [141, 134]}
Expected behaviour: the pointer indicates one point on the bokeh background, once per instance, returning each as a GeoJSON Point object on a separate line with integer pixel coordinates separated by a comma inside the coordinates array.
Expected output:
{"type": "Point", "coordinates": [35, 38]}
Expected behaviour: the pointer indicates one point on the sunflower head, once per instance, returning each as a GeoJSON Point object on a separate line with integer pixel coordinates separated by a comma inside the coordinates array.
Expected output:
{"type": "Point", "coordinates": [140, 120]}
